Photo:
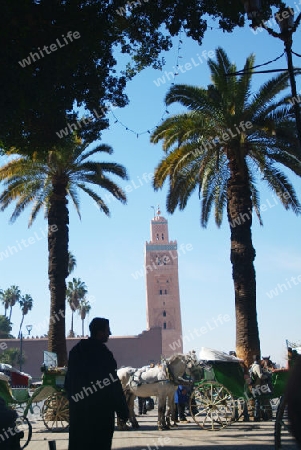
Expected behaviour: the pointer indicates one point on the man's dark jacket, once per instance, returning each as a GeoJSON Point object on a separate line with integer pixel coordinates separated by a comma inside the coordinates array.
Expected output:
{"type": "Point", "coordinates": [95, 394]}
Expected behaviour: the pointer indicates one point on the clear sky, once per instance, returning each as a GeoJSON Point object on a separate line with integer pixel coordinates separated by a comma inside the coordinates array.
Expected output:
{"type": "Point", "coordinates": [110, 251]}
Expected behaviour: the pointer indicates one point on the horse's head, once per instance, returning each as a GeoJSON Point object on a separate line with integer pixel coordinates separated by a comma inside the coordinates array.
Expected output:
{"type": "Point", "coordinates": [180, 364]}
{"type": "Point", "coordinates": [176, 365]}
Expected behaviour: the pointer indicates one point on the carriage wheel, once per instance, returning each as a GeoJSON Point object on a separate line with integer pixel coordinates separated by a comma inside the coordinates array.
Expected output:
{"type": "Point", "coordinates": [24, 427]}
{"type": "Point", "coordinates": [55, 412]}
{"type": "Point", "coordinates": [282, 432]}
{"type": "Point", "coordinates": [212, 406]}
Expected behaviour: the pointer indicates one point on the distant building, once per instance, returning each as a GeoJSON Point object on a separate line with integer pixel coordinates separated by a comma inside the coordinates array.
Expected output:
{"type": "Point", "coordinates": [162, 286]}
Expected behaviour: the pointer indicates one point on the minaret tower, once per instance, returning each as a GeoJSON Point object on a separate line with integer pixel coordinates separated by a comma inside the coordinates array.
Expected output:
{"type": "Point", "coordinates": [162, 286]}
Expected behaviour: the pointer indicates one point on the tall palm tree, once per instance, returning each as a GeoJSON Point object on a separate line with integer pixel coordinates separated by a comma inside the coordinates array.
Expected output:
{"type": "Point", "coordinates": [9, 298]}
{"type": "Point", "coordinates": [26, 303]}
{"type": "Point", "coordinates": [84, 309]}
{"type": "Point", "coordinates": [71, 263]}
{"type": "Point", "coordinates": [76, 291]}
{"type": "Point", "coordinates": [4, 301]}
{"type": "Point", "coordinates": [228, 140]}
{"type": "Point", "coordinates": [49, 182]}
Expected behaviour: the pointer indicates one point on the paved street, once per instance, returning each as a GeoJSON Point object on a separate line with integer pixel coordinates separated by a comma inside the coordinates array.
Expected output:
{"type": "Point", "coordinates": [249, 436]}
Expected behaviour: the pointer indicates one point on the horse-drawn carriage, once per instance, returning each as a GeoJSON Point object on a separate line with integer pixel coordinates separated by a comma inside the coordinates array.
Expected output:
{"type": "Point", "coordinates": [222, 393]}
{"type": "Point", "coordinates": [48, 400]}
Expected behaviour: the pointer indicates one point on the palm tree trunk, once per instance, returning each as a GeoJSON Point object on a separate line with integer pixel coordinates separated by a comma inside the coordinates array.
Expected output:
{"type": "Point", "coordinates": [20, 329]}
{"type": "Point", "coordinates": [83, 320]}
{"type": "Point", "coordinates": [58, 237]}
{"type": "Point", "coordinates": [239, 211]}
{"type": "Point", "coordinates": [72, 332]}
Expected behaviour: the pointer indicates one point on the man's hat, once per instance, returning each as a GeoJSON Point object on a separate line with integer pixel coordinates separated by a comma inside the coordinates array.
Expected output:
{"type": "Point", "coordinates": [98, 324]}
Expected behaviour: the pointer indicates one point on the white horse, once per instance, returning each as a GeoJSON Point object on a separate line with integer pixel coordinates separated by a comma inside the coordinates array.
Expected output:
{"type": "Point", "coordinates": [160, 381]}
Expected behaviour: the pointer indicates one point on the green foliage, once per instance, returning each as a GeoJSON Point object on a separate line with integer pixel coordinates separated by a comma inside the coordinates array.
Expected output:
{"type": "Point", "coordinates": [38, 99]}
{"type": "Point", "coordinates": [12, 356]}
{"type": "Point", "coordinates": [29, 179]}
{"type": "Point", "coordinates": [5, 327]}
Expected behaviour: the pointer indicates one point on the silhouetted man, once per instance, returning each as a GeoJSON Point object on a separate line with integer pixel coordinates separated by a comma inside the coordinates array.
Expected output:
{"type": "Point", "coordinates": [94, 391]}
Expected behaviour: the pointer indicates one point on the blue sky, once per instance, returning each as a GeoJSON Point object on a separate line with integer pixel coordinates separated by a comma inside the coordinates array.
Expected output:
{"type": "Point", "coordinates": [110, 251]}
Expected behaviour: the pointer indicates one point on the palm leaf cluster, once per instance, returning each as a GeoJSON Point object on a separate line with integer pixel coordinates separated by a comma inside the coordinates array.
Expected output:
{"type": "Point", "coordinates": [227, 121]}
{"type": "Point", "coordinates": [29, 179]}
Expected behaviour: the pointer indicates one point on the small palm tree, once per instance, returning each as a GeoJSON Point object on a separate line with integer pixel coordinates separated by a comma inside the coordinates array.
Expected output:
{"type": "Point", "coordinates": [76, 291]}
{"type": "Point", "coordinates": [71, 263]}
{"type": "Point", "coordinates": [4, 300]}
{"type": "Point", "coordinates": [226, 141]}
{"type": "Point", "coordinates": [26, 303]}
{"type": "Point", "coordinates": [9, 298]}
{"type": "Point", "coordinates": [84, 308]}
{"type": "Point", "coordinates": [48, 183]}
{"type": "Point", "coordinates": [12, 356]}
{"type": "Point", "coordinates": [5, 328]}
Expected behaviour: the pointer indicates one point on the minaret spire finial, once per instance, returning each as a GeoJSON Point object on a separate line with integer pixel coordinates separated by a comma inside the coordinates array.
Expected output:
{"type": "Point", "coordinates": [158, 211]}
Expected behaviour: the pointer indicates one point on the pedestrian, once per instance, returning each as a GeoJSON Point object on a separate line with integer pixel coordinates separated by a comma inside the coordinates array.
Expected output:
{"type": "Point", "coordinates": [94, 391]}
{"type": "Point", "coordinates": [181, 399]}
{"type": "Point", "coordinates": [142, 405]}
{"type": "Point", "coordinates": [257, 377]}
{"type": "Point", "coordinates": [293, 397]}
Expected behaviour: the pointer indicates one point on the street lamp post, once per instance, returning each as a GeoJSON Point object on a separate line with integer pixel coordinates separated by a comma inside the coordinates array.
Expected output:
{"type": "Point", "coordinates": [29, 328]}
{"type": "Point", "coordinates": [285, 20]}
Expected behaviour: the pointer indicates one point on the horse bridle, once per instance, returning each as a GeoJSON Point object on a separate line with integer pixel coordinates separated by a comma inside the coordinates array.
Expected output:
{"type": "Point", "coordinates": [171, 375]}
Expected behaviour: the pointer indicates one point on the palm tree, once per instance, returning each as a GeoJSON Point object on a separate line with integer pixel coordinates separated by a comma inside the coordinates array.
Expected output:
{"type": "Point", "coordinates": [9, 298]}
{"type": "Point", "coordinates": [4, 300]}
{"type": "Point", "coordinates": [84, 308]}
{"type": "Point", "coordinates": [49, 182]}
{"type": "Point", "coordinates": [228, 139]}
{"type": "Point", "coordinates": [26, 303]}
{"type": "Point", "coordinates": [5, 328]}
{"type": "Point", "coordinates": [76, 291]}
{"type": "Point", "coordinates": [71, 263]}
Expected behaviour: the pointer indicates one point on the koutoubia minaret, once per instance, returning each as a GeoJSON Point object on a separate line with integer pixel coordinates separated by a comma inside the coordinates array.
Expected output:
{"type": "Point", "coordinates": [162, 286]}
